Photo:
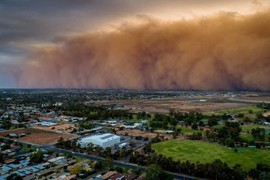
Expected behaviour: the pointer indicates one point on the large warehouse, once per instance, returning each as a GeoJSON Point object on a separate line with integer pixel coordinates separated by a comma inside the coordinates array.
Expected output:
{"type": "Point", "coordinates": [102, 140]}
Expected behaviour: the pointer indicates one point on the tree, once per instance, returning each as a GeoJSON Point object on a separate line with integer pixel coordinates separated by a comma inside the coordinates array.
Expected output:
{"type": "Point", "coordinates": [196, 136]}
{"type": "Point", "coordinates": [260, 172]}
{"type": "Point", "coordinates": [212, 122]}
{"type": "Point", "coordinates": [61, 142]}
{"type": "Point", "coordinates": [155, 172]}
{"type": "Point", "coordinates": [98, 149]}
{"type": "Point", "coordinates": [14, 176]}
{"type": "Point", "coordinates": [90, 147]}
{"type": "Point", "coordinates": [107, 152]}
{"type": "Point", "coordinates": [106, 163]}
{"type": "Point", "coordinates": [75, 169]}
{"type": "Point", "coordinates": [119, 169]}
{"type": "Point", "coordinates": [258, 134]}
{"type": "Point", "coordinates": [230, 130]}
{"type": "Point", "coordinates": [36, 157]}
{"type": "Point", "coordinates": [1, 157]}
{"type": "Point", "coordinates": [264, 176]}
{"type": "Point", "coordinates": [217, 167]}
{"type": "Point", "coordinates": [194, 126]}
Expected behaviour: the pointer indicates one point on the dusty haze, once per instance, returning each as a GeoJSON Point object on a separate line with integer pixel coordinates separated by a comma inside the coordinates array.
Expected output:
{"type": "Point", "coordinates": [222, 52]}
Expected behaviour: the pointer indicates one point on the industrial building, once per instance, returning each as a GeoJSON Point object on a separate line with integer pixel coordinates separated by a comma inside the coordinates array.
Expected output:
{"type": "Point", "coordinates": [102, 140]}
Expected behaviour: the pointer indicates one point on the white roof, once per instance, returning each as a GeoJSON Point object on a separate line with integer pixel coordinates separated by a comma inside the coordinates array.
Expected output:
{"type": "Point", "coordinates": [46, 123]}
{"type": "Point", "coordinates": [56, 159]}
{"type": "Point", "coordinates": [101, 137]}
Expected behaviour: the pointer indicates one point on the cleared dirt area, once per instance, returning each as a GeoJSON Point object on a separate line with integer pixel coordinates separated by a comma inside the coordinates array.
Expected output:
{"type": "Point", "coordinates": [266, 114]}
{"type": "Point", "coordinates": [135, 132]}
{"type": "Point", "coordinates": [37, 136]}
{"type": "Point", "coordinates": [198, 104]}
{"type": "Point", "coordinates": [60, 128]}
{"type": "Point", "coordinates": [255, 97]}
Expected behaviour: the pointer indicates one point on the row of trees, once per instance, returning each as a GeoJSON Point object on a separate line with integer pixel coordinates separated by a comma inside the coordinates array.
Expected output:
{"type": "Point", "coordinates": [193, 119]}
{"type": "Point", "coordinates": [94, 112]}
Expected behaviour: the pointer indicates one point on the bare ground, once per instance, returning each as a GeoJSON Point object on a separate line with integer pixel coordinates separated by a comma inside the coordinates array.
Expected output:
{"type": "Point", "coordinates": [37, 136]}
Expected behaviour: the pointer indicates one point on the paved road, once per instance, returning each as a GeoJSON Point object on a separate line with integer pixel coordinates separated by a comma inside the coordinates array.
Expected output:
{"type": "Point", "coordinates": [115, 163]}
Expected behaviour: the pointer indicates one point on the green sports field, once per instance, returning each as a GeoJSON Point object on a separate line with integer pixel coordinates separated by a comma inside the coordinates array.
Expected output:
{"type": "Point", "coordinates": [207, 152]}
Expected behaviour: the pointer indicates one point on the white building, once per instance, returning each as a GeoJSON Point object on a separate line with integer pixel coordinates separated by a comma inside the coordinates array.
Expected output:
{"type": "Point", "coordinates": [102, 140]}
{"type": "Point", "coordinates": [58, 160]}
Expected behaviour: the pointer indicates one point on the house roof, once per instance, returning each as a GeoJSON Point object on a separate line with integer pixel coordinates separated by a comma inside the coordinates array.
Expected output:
{"type": "Point", "coordinates": [108, 174]}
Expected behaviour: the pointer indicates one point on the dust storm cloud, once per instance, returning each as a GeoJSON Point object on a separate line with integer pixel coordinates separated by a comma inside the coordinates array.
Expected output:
{"type": "Point", "coordinates": [226, 51]}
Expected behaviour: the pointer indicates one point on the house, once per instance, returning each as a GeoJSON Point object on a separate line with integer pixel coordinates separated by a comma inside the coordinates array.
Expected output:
{"type": "Point", "coordinates": [108, 174]}
{"type": "Point", "coordinates": [130, 176]}
{"type": "Point", "coordinates": [58, 160]}
{"type": "Point", "coordinates": [120, 176]}
{"type": "Point", "coordinates": [169, 132]}
{"type": "Point", "coordinates": [13, 135]}
{"type": "Point", "coordinates": [117, 176]}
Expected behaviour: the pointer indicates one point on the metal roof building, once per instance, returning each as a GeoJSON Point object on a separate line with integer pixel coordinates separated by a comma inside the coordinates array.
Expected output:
{"type": "Point", "coordinates": [102, 140]}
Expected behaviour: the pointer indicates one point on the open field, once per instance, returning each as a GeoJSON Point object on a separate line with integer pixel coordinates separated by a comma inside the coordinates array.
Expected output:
{"type": "Point", "coordinates": [249, 128]}
{"type": "Point", "coordinates": [204, 152]}
{"type": "Point", "coordinates": [163, 105]}
{"type": "Point", "coordinates": [244, 110]}
{"type": "Point", "coordinates": [37, 136]}
{"type": "Point", "coordinates": [60, 128]}
{"type": "Point", "coordinates": [189, 130]}
{"type": "Point", "coordinates": [267, 114]}
{"type": "Point", "coordinates": [135, 132]}
{"type": "Point", "coordinates": [166, 135]}
{"type": "Point", "coordinates": [255, 98]}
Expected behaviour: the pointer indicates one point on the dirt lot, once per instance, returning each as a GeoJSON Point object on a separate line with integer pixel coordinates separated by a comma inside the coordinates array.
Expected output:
{"type": "Point", "coordinates": [37, 136]}
{"type": "Point", "coordinates": [255, 97]}
{"type": "Point", "coordinates": [267, 114]}
{"type": "Point", "coordinates": [135, 132]}
{"type": "Point", "coordinates": [198, 104]}
{"type": "Point", "coordinates": [61, 128]}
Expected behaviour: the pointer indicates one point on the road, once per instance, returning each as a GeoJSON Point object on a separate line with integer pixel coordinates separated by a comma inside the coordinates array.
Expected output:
{"type": "Point", "coordinates": [115, 163]}
{"type": "Point", "coordinates": [94, 158]}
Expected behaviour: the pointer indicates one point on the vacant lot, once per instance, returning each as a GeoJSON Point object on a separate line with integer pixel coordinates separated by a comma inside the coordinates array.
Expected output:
{"type": "Point", "coordinates": [135, 132]}
{"type": "Point", "coordinates": [204, 152]}
{"type": "Point", "coordinates": [267, 114]}
{"type": "Point", "coordinates": [163, 105]}
{"type": "Point", "coordinates": [61, 128]}
{"type": "Point", "coordinates": [37, 136]}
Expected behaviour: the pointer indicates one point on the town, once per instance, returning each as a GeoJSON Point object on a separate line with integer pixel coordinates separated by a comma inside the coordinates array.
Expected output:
{"type": "Point", "coordinates": [119, 134]}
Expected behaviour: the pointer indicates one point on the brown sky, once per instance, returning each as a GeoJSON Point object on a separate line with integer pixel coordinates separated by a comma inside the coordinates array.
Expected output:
{"type": "Point", "coordinates": [154, 44]}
